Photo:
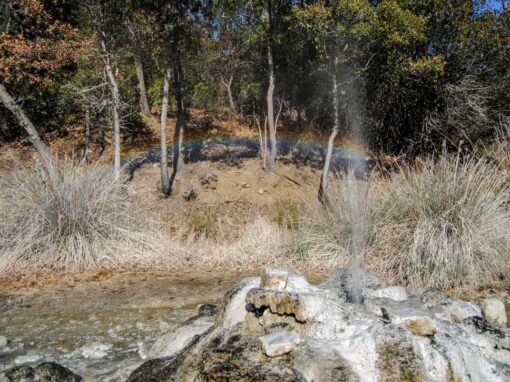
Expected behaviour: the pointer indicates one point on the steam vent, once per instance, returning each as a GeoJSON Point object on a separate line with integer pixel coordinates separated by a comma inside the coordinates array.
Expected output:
{"type": "Point", "coordinates": [278, 327]}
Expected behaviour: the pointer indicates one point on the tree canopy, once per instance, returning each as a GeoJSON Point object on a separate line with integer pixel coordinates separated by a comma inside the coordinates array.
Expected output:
{"type": "Point", "coordinates": [414, 73]}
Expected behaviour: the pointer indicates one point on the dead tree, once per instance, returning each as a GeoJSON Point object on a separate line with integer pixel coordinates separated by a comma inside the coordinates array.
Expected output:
{"type": "Point", "coordinates": [33, 136]}
{"type": "Point", "coordinates": [165, 181]}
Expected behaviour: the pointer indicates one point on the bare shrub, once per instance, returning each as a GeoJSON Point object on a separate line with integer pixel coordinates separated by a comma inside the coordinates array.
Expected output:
{"type": "Point", "coordinates": [443, 223]}
{"type": "Point", "coordinates": [83, 220]}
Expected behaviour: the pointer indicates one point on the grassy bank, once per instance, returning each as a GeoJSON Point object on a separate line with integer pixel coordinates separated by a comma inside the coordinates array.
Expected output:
{"type": "Point", "coordinates": [442, 222]}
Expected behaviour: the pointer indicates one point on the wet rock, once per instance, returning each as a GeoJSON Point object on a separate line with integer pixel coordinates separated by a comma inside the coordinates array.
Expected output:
{"type": "Point", "coordinates": [397, 359]}
{"type": "Point", "coordinates": [174, 342]}
{"type": "Point", "coordinates": [233, 309]}
{"type": "Point", "coordinates": [236, 357]}
{"type": "Point", "coordinates": [275, 278]}
{"type": "Point", "coordinates": [29, 358]}
{"type": "Point", "coordinates": [347, 283]}
{"type": "Point", "coordinates": [155, 370]}
{"type": "Point", "coordinates": [317, 362]}
{"type": "Point", "coordinates": [494, 311]}
{"type": "Point", "coordinates": [279, 343]}
{"type": "Point", "coordinates": [443, 306]}
{"type": "Point", "coordinates": [396, 293]}
{"type": "Point", "coordinates": [95, 351]}
{"type": "Point", "coordinates": [160, 369]}
{"type": "Point", "coordinates": [280, 327]}
{"type": "Point", "coordinates": [209, 310]}
{"type": "Point", "coordinates": [304, 308]}
{"type": "Point", "coordinates": [44, 372]}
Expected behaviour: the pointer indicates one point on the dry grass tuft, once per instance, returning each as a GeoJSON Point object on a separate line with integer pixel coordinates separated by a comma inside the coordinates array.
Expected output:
{"type": "Point", "coordinates": [443, 223]}
{"type": "Point", "coordinates": [85, 220]}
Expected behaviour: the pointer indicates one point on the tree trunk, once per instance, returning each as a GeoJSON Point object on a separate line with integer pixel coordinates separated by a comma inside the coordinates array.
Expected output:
{"type": "Point", "coordinates": [180, 124]}
{"type": "Point", "coordinates": [115, 111]}
{"type": "Point", "coordinates": [504, 4]}
{"type": "Point", "coordinates": [228, 86]}
{"type": "Point", "coordinates": [142, 93]}
{"type": "Point", "coordinates": [165, 181]}
{"type": "Point", "coordinates": [33, 136]}
{"type": "Point", "coordinates": [271, 158]}
{"type": "Point", "coordinates": [323, 188]}
{"type": "Point", "coordinates": [87, 135]}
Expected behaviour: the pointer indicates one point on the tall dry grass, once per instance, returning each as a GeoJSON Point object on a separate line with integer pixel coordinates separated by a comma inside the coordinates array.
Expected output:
{"type": "Point", "coordinates": [443, 223]}
{"type": "Point", "coordinates": [82, 220]}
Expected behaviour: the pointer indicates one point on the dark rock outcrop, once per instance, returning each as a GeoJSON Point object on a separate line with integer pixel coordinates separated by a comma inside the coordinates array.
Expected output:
{"type": "Point", "coordinates": [44, 372]}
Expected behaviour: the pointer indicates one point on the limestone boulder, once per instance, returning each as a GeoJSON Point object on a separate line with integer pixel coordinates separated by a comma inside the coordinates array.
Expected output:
{"type": "Point", "coordinates": [279, 327]}
{"type": "Point", "coordinates": [494, 311]}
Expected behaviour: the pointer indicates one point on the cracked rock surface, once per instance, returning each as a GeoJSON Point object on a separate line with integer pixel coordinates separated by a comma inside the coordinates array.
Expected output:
{"type": "Point", "coordinates": [279, 327]}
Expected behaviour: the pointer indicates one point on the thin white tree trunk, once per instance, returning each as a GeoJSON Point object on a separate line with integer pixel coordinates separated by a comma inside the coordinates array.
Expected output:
{"type": "Point", "coordinates": [228, 86]}
{"type": "Point", "coordinates": [87, 135]}
{"type": "Point", "coordinates": [323, 188]}
{"type": "Point", "coordinates": [271, 158]}
{"type": "Point", "coordinates": [115, 110]}
{"type": "Point", "coordinates": [33, 136]}
{"type": "Point", "coordinates": [165, 181]}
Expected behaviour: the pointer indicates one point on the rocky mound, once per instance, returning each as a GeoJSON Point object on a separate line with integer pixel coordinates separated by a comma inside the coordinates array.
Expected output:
{"type": "Point", "coordinates": [278, 327]}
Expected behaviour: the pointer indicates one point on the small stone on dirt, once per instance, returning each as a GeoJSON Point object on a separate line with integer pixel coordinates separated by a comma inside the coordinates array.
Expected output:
{"type": "Point", "coordinates": [190, 194]}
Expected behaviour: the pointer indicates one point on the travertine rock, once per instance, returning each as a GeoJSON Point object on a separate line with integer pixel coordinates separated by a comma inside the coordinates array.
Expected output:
{"type": "Point", "coordinates": [494, 311]}
{"type": "Point", "coordinates": [268, 330]}
{"type": "Point", "coordinates": [279, 343]}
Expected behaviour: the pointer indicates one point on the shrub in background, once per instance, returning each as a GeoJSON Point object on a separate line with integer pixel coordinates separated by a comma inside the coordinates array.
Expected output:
{"type": "Point", "coordinates": [83, 220]}
{"type": "Point", "coordinates": [444, 223]}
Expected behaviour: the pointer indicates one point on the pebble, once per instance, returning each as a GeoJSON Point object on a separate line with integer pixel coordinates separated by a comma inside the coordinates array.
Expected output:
{"type": "Point", "coordinates": [95, 351]}
{"type": "Point", "coordinates": [29, 358]}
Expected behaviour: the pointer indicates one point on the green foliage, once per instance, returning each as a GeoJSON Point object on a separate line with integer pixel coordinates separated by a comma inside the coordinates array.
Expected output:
{"type": "Point", "coordinates": [413, 73]}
